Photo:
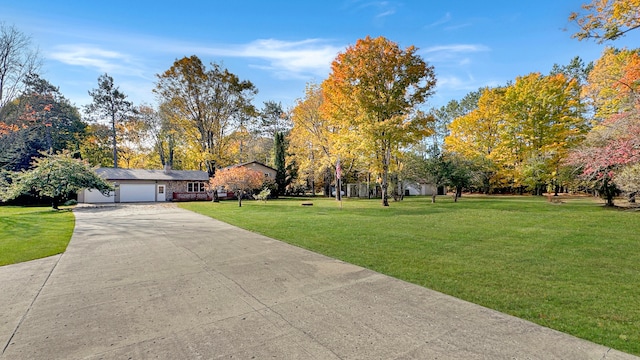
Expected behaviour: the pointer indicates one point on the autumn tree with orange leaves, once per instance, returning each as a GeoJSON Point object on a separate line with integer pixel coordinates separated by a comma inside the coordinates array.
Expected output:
{"type": "Point", "coordinates": [238, 179]}
{"type": "Point", "coordinates": [371, 98]}
{"type": "Point", "coordinates": [605, 20]}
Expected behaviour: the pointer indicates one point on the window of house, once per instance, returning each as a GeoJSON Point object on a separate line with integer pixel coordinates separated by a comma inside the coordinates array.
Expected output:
{"type": "Point", "coordinates": [195, 187]}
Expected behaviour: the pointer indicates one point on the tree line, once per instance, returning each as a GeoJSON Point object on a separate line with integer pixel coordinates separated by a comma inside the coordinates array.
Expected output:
{"type": "Point", "coordinates": [575, 127]}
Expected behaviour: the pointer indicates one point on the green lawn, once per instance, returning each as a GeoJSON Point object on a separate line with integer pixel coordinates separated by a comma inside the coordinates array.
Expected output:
{"type": "Point", "coordinates": [28, 233]}
{"type": "Point", "coordinates": [574, 267]}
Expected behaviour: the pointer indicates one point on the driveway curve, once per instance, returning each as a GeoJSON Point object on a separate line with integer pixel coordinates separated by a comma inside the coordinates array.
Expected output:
{"type": "Point", "coordinates": [155, 281]}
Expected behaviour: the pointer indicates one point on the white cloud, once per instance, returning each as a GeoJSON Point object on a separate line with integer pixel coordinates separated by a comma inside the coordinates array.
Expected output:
{"type": "Point", "coordinates": [94, 57]}
{"type": "Point", "coordinates": [456, 48]}
{"type": "Point", "coordinates": [454, 54]}
{"type": "Point", "coordinates": [443, 20]}
{"type": "Point", "coordinates": [386, 13]}
{"type": "Point", "coordinates": [456, 83]}
{"type": "Point", "coordinates": [382, 9]}
{"type": "Point", "coordinates": [285, 59]}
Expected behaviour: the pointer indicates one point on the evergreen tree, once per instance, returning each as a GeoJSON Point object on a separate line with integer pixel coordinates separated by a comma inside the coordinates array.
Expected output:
{"type": "Point", "coordinates": [281, 174]}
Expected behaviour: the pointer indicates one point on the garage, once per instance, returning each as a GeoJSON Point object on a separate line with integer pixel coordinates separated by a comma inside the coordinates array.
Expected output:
{"type": "Point", "coordinates": [137, 192]}
{"type": "Point", "coordinates": [94, 196]}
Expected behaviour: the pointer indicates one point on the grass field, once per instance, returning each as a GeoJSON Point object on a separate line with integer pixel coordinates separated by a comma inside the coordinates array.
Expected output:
{"type": "Point", "coordinates": [28, 233]}
{"type": "Point", "coordinates": [574, 267]}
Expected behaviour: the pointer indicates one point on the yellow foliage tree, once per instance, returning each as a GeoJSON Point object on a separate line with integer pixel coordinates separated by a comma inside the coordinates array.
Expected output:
{"type": "Point", "coordinates": [310, 142]}
{"type": "Point", "coordinates": [476, 136]}
{"type": "Point", "coordinates": [543, 120]}
{"type": "Point", "coordinates": [519, 134]}
{"type": "Point", "coordinates": [370, 100]}
{"type": "Point", "coordinates": [604, 20]}
{"type": "Point", "coordinates": [613, 79]}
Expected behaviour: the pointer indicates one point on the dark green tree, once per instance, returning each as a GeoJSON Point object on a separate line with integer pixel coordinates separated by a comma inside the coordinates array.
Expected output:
{"type": "Point", "coordinates": [280, 162]}
{"type": "Point", "coordinates": [460, 173]}
{"type": "Point", "coordinates": [41, 119]}
{"type": "Point", "coordinates": [109, 103]}
{"type": "Point", "coordinates": [437, 170]}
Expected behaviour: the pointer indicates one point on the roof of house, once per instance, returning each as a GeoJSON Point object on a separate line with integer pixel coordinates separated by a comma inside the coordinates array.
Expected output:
{"type": "Point", "coordinates": [250, 162]}
{"type": "Point", "coordinates": [142, 174]}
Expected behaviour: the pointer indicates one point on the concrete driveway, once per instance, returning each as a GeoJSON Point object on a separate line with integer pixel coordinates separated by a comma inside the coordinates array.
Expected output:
{"type": "Point", "coordinates": [156, 281]}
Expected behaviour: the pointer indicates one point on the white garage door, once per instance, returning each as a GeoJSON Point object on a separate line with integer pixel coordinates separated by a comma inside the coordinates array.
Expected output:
{"type": "Point", "coordinates": [95, 196]}
{"type": "Point", "coordinates": [137, 192]}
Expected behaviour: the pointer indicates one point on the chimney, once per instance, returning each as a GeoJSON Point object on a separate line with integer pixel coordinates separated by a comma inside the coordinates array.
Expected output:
{"type": "Point", "coordinates": [167, 168]}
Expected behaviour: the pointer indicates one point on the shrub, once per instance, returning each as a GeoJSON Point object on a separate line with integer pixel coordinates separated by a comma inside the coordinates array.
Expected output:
{"type": "Point", "coordinates": [263, 195]}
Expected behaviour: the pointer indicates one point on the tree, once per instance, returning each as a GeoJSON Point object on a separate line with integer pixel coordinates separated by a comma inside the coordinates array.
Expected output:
{"type": "Point", "coordinates": [162, 132]}
{"type": "Point", "coordinates": [605, 20]}
{"type": "Point", "coordinates": [576, 69]}
{"type": "Point", "coordinates": [371, 97]}
{"type": "Point", "coordinates": [95, 148]}
{"type": "Point", "coordinates": [311, 140]}
{"type": "Point", "coordinates": [475, 136]}
{"type": "Point", "coordinates": [437, 170]}
{"type": "Point", "coordinates": [40, 119]}
{"type": "Point", "coordinates": [204, 103]}
{"type": "Point", "coordinates": [238, 179]}
{"type": "Point", "coordinates": [460, 174]}
{"type": "Point", "coordinates": [629, 179]}
{"type": "Point", "coordinates": [530, 123]}
{"type": "Point", "coordinates": [445, 115]}
{"type": "Point", "coordinates": [246, 143]}
{"type": "Point", "coordinates": [17, 60]}
{"type": "Point", "coordinates": [608, 149]}
{"type": "Point", "coordinates": [542, 121]}
{"type": "Point", "coordinates": [111, 104]}
{"type": "Point", "coordinates": [612, 85]}
{"type": "Point", "coordinates": [273, 119]}
{"type": "Point", "coordinates": [55, 176]}
{"type": "Point", "coordinates": [280, 164]}
{"type": "Point", "coordinates": [579, 71]}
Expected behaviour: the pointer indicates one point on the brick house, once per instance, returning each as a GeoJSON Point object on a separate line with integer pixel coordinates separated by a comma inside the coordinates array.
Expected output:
{"type": "Point", "coordinates": [139, 185]}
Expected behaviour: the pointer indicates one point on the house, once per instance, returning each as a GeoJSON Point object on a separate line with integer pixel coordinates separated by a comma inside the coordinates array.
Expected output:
{"type": "Point", "coordinates": [269, 174]}
{"type": "Point", "coordinates": [138, 185]}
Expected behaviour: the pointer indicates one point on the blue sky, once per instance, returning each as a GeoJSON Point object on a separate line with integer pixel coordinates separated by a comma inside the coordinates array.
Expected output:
{"type": "Point", "coordinates": [282, 45]}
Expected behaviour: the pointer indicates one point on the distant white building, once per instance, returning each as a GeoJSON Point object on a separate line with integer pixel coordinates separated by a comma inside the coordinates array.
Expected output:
{"type": "Point", "coordinates": [361, 190]}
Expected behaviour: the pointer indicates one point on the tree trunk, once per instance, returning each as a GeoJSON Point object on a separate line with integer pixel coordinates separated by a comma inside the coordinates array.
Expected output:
{"type": "Point", "coordinates": [433, 196]}
{"type": "Point", "coordinates": [608, 191]}
{"type": "Point", "coordinates": [55, 202]}
{"type": "Point", "coordinates": [240, 198]}
{"type": "Point", "coordinates": [385, 176]}
{"type": "Point", "coordinates": [457, 192]}
{"type": "Point", "coordinates": [609, 199]}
